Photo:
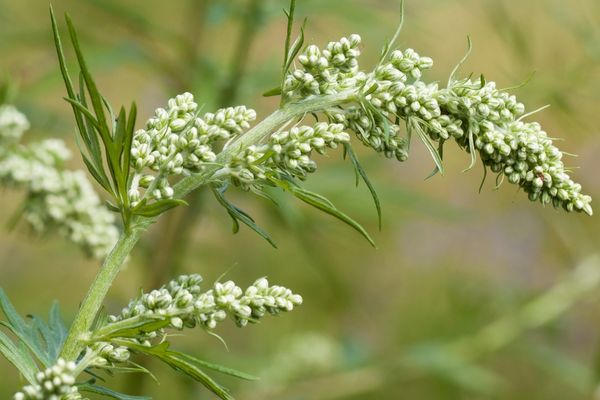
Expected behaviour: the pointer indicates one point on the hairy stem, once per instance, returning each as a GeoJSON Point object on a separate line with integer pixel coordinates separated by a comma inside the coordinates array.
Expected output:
{"type": "Point", "coordinates": [95, 296]}
{"type": "Point", "coordinates": [92, 302]}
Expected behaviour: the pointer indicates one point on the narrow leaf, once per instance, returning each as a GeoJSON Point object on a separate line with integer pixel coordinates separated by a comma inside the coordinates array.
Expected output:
{"type": "Point", "coordinates": [461, 62]}
{"type": "Point", "coordinates": [237, 214]}
{"type": "Point", "coordinates": [294, 49]}
{"type": "Point", "coordinates": [219, 368]}
{"type": "Point", "coordinates": [272, 92]}
{"type": "Point", "coordinates": [288, 37]}
{"type": "Point", "coordinates": [106, 392]}
{"type": "Point", "coordinates": [182, 363]}
{"type": "Point", "coordinates": [322, 204]}
{"type": "Point", "coordinates": [95, 96]}
{"type": "Point", "coordinates": [471, 150]}
{"type": "Point", "coordinates": [158, 207]}
{"type": "Point", "coordinates": [441, 153]}
{"type": "Point", "coordinates": [130, 327]}
{"type": "Point", "coordinates": [127, 142]}
{"type": "Point", "coordinates": [388, 46]}
{"type": "Point", "coordinates": [415, 125]}
{"type": "Point", "coordinates": [362, 173]}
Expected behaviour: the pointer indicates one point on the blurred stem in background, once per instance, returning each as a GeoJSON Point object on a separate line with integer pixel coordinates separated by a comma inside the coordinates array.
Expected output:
{"type": "Point", "coordinates": [456, 361]}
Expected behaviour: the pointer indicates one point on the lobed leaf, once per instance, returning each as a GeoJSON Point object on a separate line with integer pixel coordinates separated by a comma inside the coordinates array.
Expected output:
{"type": "Point", "coordinates": [19, 357]}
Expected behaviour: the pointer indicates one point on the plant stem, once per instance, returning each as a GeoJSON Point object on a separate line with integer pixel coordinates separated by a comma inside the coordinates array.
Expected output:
{"type": "Point", "coordinates": [95, 296]}
{"type": "Point", "coordinates": [92, 302]}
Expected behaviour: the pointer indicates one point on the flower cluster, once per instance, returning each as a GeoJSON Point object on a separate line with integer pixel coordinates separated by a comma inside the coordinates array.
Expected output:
{"type": "Point", "coordinates": [476, 114]}
{"type": "Point", "coordinates": [286, 152]}
{"type": "Point", "coordinates": [12, 124]}
{"type": "Point", "coordinates": [57, 198]}
{"type": "Point", "coordinates": [109, 354]}
{"type": "Point", "coordinates": [55, 383]}
{"type": "Point", "coordinates": [176, 141]}
{"type": "Point", "coordinates": [184, 304]}
{"type": "Point", "coordinates": [325, 71]}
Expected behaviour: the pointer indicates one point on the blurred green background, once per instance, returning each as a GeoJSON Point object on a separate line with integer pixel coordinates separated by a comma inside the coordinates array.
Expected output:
{"type": "Point", "coordinates": [468, 296]}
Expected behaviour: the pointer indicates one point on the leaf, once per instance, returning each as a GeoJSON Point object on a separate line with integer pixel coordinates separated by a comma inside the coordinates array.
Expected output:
{"type": "Point", "coordinates": [361, 172]}
{"type": "Point", "coordinates": [97, 175]}
{"type": "Point", "coordinates": [288, 37]}
{"type": "Point", "coordinates": [158, 207]}
{"type": "Point", "coordinates": [19, 357]}
{"type": "Point", "coordinates": [91, 388]}
{"type": "Point", "coordinates": [189, 365]}
{"type": "Point", "coordinates": [237, 214]}
{"type": "Point", "coordinates": [94, 144]}
{"type": "Point", "coordinates": [44, 340]}
{"type": "Point", "coordinates": [24, 332]}
{"type": "Point", "coordinates": [78, 103]}
{"type": "Point", "coordinates": [416, 125]}
{"type": "Point", "coordinates": [294, 49]}
{"type": "Point", "coordinates": [388, 46]}
{"type": "Point", "coordinates": [272, 92]}
{"type": "Point", "coordinates": [320, 203]}
{"type": "Point", "coordinates": [130, 327]}
{"type": "Point", "coordinates": [471, 150]}
{"type": "Point", "coordinates": [441, 153]}
{"type": "Point", "coordinates": [520, 85]}
{"type": "Point", "coordinates": [220, 368]}
{"type": "Point", "coordinates": [127, 143]}
{"type": "Point", "coordinates": [95, 96]}
{"type": "Point", "coordinates": [461, 62]}
{"type": "Point", "coordinates": [54, 333]}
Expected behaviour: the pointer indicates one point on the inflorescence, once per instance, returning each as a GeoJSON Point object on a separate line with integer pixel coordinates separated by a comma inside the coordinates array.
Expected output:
{"type": "Point", "coordinates": [55, 383]}
{"type": "Point", "coordinates": [177, 141]}
{"type": "Point", "coordinates": [476, 114]}
{"type": "Point", "coordinates": [480, 117]}
{"type": "Point", "coordinates": [183, 303]}
{"type": "Point", "coordinates": [57, 198]}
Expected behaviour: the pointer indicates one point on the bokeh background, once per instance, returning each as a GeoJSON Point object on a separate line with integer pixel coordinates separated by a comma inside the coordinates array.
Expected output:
{"type": "Point", "coordinates": [468, 296]}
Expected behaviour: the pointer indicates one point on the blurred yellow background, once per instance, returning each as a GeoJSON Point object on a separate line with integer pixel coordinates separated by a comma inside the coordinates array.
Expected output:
{"type": "Point", "coordinates": [377, 323]}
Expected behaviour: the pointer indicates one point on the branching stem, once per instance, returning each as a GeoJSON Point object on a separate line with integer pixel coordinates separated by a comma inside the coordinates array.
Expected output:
{"type": "Point", "coordinates": [111, 267]}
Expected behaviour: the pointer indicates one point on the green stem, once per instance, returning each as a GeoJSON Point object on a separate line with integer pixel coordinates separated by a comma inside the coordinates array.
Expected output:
{"type": "Point", "coordinates": [92, 302]}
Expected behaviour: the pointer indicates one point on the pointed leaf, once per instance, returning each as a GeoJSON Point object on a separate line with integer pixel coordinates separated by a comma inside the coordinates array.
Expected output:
{"type": "Point", "coordinates": [388, 46]}
{"type": "Point", "coordinates": [219, 368]}
{"type": "Point", "coordinates": [415, 125]}
{"type": "Point", "coordinates": [91, 388]}
{"type": "Point", "coordinates": [237, 214]}
{"type": "Point", "coordinates": [95, 96]}
{"type": "Point", "coordinates": [461, 62]}
{"type": "Point", "coordinates": [321, 203]}
{"type": "Point", "coordinates": [182, 363]}
{"type": "Point", "coordinates": [22, 330]}
{"type": "Point", "coordinates": [19, 357]}
{"type": "Point", "coordinates": [362, 173]}
{"type": "Point", "coordinates": [158, 207]}
{"type": "Point", "coordinates": [272, 92]}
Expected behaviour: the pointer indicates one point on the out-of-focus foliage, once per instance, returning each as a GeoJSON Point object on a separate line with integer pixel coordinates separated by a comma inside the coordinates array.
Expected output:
{"type": "Point", "coordinates": [454, 273]}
